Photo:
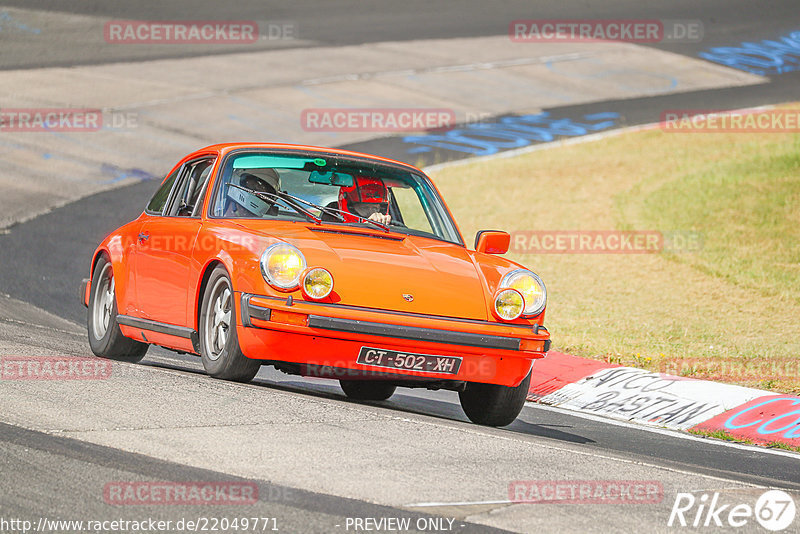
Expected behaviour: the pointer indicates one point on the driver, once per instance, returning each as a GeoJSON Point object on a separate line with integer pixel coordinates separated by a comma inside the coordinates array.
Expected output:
{"type": "Point", "coordinates": [243, 204]}
{"type": "Point", "coordinates": [368, 198]}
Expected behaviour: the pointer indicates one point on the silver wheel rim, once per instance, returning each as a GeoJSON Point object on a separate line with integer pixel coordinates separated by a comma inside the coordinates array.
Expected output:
{"type": "Point", "coordinates": [103, 302]}
{"type": "Point", "coordinates": [218, 320]}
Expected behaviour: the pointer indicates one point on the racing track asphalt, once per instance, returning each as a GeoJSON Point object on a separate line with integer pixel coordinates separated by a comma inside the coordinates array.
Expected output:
{"type": "Point", "coordinates": [39, 480]}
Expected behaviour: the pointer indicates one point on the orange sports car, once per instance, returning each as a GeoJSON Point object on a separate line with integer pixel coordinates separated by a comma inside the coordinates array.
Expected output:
{"type": "Point", "coordinates": [321, 263]}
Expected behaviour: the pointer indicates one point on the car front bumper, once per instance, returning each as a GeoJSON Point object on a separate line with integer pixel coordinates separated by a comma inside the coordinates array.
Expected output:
{"type": "Point", "coordinates": [331, 336]}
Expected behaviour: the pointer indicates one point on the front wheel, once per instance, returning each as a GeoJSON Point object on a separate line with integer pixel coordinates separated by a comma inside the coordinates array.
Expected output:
{"type": "Point", "coordinates": [105, 336]}
{"type": "Point", "coordinates": [219, 344]}
{"type": "Point", "coordinates": [374, 390]}
{"type": "Point", "coordinates": [493, 405]}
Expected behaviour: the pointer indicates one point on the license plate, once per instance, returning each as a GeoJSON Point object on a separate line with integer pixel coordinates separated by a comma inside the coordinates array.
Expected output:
{"type": "Point", "coordinates": [409, 361]}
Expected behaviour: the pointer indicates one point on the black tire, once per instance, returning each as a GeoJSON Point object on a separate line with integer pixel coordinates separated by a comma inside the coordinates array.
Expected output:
{"type": "Point", "coordinates": [105, 336]}
{"type": "Point", "coordinates": [374, 390]}
{"type": "Point", "coordinates": [493, 405]}
{"type": "Point", "coordinates": [219, 345]}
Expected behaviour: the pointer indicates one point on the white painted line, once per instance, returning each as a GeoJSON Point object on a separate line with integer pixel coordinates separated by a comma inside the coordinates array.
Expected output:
{"type": "Point", "coordinates": [468, 67]}
{"type": "Point", "coordinates": [41, 327]}
{"type": "Point", "coordinates": [350, 77]}
{"type": "Point", "coordinates": [465, 503]}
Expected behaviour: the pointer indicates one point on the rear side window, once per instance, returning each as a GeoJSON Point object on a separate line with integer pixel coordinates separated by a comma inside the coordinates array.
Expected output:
{"type": "Point", "coordinates": [159, 200]}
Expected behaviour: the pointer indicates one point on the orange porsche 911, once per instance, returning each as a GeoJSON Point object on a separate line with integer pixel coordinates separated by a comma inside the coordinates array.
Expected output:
{"type": "Point", "coordinates": [322, 263]}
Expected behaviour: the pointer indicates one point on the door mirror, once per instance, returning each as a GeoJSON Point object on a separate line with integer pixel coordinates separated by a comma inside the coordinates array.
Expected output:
{"type": "Point", "coordinates": [492, 241]}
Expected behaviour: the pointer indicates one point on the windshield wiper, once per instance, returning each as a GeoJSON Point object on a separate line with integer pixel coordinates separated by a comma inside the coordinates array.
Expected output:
{"type": "Point", "coordinates": [336, 212]}
{"type": "Point", "coordinates": [362, 219]}
{"type": "Point", "coordinates": [292, 202]}
{"type": "Point", "coordinates": [323, 209]}
{"type": "Point", "coordinates": [287, 199]}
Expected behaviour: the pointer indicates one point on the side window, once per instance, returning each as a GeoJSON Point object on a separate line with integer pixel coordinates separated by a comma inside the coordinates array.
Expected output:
{"type": "Point", "coordinates": [413, 214]}
{"type": "Point", "coordinates": [192, 184]}
{"type": "Point", "coordinates": [199, 193]}
{"type": "Point", "coordinates": [159, 200]}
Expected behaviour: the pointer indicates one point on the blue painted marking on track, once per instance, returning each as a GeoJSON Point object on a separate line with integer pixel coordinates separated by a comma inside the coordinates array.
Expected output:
{"type": "Point", "coordinates": [485, 139]}
{"type": "Point", "coordinates": [115, 173]}
{"type": "Point", "coordinates": [765, 58]}
{"type": "Point", "coordinates": [6, 20]}
{"type": "Point", "coordinates": [118, 174]}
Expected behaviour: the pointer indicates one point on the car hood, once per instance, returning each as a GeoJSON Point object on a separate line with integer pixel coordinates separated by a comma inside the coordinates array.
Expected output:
{"type": "Point", "coordinates": [392, 271]}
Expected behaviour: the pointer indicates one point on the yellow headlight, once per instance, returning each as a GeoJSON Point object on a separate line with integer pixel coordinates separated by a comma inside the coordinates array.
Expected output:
{"type": "Point", "coordinates": [531, 287]}
{"type": "Point", "coordinates": [317, 283]}
{"type": "Point", "coordinates": [508, 304]}
{"type": "Point", "coordinates": [282, 265]}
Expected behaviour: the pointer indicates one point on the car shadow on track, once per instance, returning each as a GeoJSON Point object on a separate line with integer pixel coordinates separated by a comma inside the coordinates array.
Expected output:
{"type": "Point", "coordinates": [406, 401]}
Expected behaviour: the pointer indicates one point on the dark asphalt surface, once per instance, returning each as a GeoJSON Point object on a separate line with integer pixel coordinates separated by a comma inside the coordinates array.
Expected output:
{"type": "Point", "coordinates": [42, 261]}
{"type": "Point", "coordinates": [344, 22]}
{"type": "Point", "coordinates": [53, 477]}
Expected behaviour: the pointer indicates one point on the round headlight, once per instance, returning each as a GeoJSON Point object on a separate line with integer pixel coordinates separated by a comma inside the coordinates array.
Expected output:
{"type": "Point", "coordinates": [532, 288]}
{"type": "Point", "coordinates": [509, 304]}
{"type": "Point", "coordinates": [317, 283]}
{"type": "Point", "coordinates": [282, 265]}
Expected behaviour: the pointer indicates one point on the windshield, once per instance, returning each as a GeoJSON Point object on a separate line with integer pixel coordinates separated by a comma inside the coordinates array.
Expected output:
{"type": "Point", "coordinates": [330, 190]}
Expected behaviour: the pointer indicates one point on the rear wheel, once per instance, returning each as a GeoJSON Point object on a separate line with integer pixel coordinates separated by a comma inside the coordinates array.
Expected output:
{"type": "Point", "coordinates": [105, 336]}
{"type": "Point", "coordinates": [219, 344]}
{"type": "Point", "coordinates": [374, 390]}
{"type": "Point", "coordinates": [493, 405]}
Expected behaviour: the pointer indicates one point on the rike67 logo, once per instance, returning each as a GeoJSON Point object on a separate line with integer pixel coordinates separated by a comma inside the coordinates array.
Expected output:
{"type": "Point", "coordinates": [774, 510]}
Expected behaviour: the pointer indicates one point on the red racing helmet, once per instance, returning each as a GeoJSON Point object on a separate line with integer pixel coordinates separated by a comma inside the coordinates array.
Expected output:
{"type": "Point", "coordinates": [366, 196]}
